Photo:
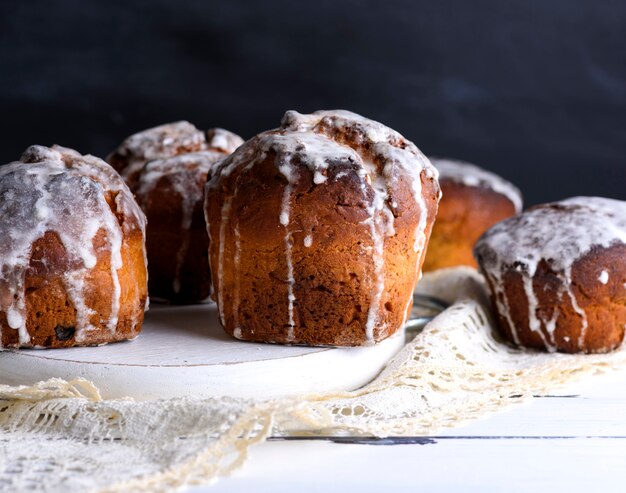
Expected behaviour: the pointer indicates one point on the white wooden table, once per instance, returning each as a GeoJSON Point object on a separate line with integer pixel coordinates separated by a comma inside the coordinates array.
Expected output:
{"type": "Point", "coordinates": [574, 441]}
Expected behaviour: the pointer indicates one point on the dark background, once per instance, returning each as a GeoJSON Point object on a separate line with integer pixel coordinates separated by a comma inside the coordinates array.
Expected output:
{"type": "Point", "coordinates": [534, 90]}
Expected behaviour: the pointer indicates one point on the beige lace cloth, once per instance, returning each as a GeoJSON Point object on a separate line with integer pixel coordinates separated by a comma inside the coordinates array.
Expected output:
{"type": "Point", "coordinates": [61, 436]}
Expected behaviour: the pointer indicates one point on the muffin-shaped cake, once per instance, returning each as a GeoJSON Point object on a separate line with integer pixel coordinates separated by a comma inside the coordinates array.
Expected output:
{"type": "Point", "coordinates": [557, 275]}
{"type": "Point", "coordinates": [171, 193]}
{"type": "Point", "coordinates": [473, 200]}
{"type": "Point", "coordinates": [318, 231]}
{"type": "Point", "coordinates": [73, 258]}
{"type": "Point", "coordinates": [165, 141]}
{"type": "Point", "coordinates": [166, 167]}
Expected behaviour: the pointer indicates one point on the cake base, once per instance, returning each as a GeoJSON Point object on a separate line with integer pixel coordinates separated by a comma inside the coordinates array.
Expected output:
{"type": "Point", "coordinates": [183, 351]}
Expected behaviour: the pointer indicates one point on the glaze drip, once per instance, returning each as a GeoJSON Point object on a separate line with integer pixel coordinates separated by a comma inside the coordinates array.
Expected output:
{"type": "Point", "coordinates": [184, 175]}
{"type": "Point", "coordinates": [284, 220]}
{"type": "Point", "coordinates": [237, 261]}
{"type": "Point", "coordinates": [224, 224]}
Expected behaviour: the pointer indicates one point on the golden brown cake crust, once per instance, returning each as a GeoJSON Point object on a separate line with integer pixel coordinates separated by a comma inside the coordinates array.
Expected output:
{"type": "Point", "coordinates": [111, 306]}
{"type": "Point", "coordinates": [465, 213]}
{"type": "Point", "coordinates": [473, 200]}
{"type": "Point", "coordinates": [51, 316]}
{"type": "Point", "coordinates": [166, 167]}
{"type": "Point", "coordinates": [566, 290]}
{"type": "Point", "coordinates": [604, 304]}
{"type": "Point", "coordinates": [171, 193]}
{"type": "Point", "coordinates": [282, 230]}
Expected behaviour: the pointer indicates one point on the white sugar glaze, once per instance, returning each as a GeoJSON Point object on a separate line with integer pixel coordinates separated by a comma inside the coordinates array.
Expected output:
{"type": "Point", "coordinates": [237, 261]}
{"type": "Point", "coordinates": [159, 142]}
{"type": "Point", "coordinates": [172, 139]}
{"type": "Point", "coordinates": [185, 175]}
{"type": "Point", "coordinates": [473, 176]}
{"type": "Point", "coordinates": [225, 220]}
{"type": "Point", "coordinates": [604, 277]}
{"type": "Point", "coordinates": [59, 191]}
{"type": "Point", "coordinates": [224, 223]}
{"type": "Point", "coordinates": [222, 140]}
{"type": "Point", "coordinates": [378, 156]}
{"type": "Point", "coordinates": [284, 220]}
{"type": "Point", "coordinates": [560, 233]}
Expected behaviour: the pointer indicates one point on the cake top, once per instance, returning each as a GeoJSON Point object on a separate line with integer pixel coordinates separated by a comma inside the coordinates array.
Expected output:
{"type": "Point", "coordinates": [60, 191]}
{"type": "Point", "coordinates": [169, 140]}
{"type": "Point", "coordinates": [223, 140]}
{"type": "Point", "coordinates": [341, 136]}
{"type": "Point", "coordinates": [378, 155]}
{"type": "Point", "coordinates": [57, 162]}
{"type": "Point", "coordinates": [473, 176]}
{"type": "Point", "coordinates": [218, 144]}
{"type": "Point", "coordinates": [175, 138]}
{"type": "Point", "coordinates": [559, 233]}
{"type": "Point", "coordinates": [163, 141]}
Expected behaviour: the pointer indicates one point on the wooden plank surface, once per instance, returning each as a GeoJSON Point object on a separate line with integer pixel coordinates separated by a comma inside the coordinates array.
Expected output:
{"type": "Point", "coordinates": [573, 441]}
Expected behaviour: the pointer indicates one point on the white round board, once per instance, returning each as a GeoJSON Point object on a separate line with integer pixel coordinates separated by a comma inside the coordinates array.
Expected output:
{"type": "Point", "coordinates": [184, 351]}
